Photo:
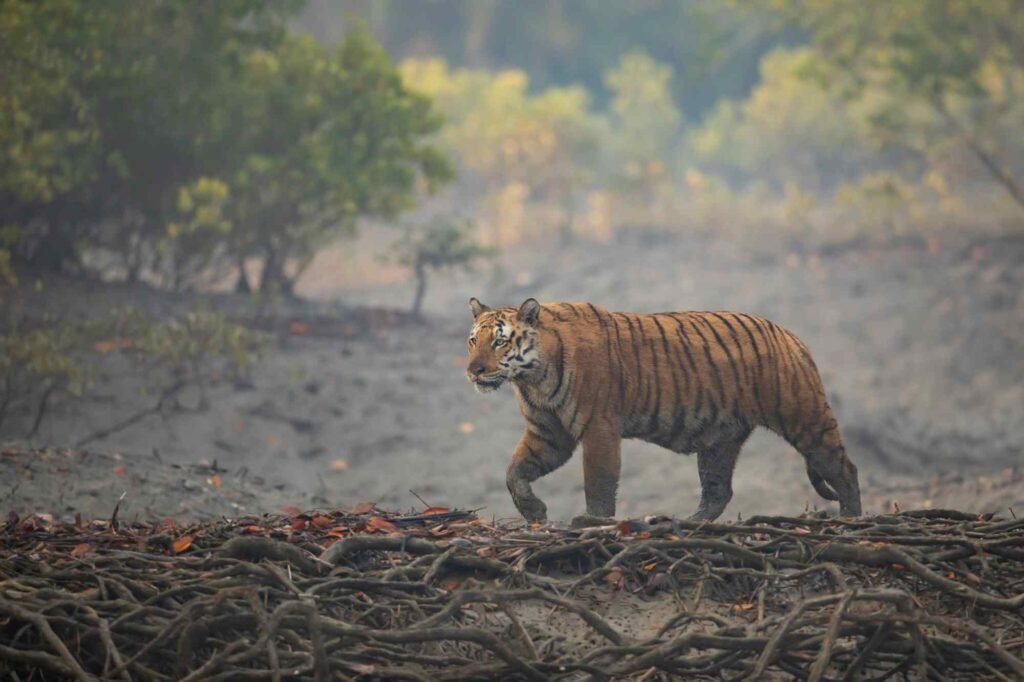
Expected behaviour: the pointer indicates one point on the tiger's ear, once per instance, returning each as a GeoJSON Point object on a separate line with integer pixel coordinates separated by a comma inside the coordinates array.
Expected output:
{"type": "Point", "coordinates": [477, 307]}
{"type": "Point", "coordinates": [529, 311]}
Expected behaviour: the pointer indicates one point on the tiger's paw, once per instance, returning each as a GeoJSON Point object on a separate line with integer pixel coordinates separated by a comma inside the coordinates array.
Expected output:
{"type": "Point", "coordinates": [588, 521]}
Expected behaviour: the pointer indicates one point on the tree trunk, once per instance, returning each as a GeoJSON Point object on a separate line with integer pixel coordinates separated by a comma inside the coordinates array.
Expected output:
{"type": "Point", "coordinates": [421, 289]}
{"type": "Point", "coordinates": [242, 286]}
{"type": "Point", "coordinates": [983, 155]}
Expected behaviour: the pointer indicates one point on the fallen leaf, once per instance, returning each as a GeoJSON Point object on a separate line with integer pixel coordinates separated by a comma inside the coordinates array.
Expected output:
{"type": "Point", "coordinates": [182, 544]}
{"type": "Point", "coordinates": [321, 521]}
{"type": "Point", "coordinates": [291, 510]}
{"type": "Point", "coordinates": [120, 471]}
{"type": "Point", "coordinates": [614, 577]}
{"type": "Point", "coordinates": [377, 523]}
{"type": "Point", "coordinates": [298, 328]}
{"type": "Point", "coordinates": [363, 508]}
{"type": "Point", "coordinates": [898, 567]}
{"type": "Point", "coordinates": [801, 531]}
{"type": "Point", "coordinates": [451, 584]}
{"type": "Point", "coordinates": [215, 481]}
{"type": "Point", "coordinates": [273, 442]}
{"type": "Point", "coordinates": [650, 566]}
{"type": "Point", "coordinates": [466, 428]}
{"type": "Point", "coordinates": [436, 510]}
{"type": "Point", "coordinates": [299, 524]}
{"type": "Point", "coordinates": [745, 606]}
{"type": "Point", "coordinates": [109, 345]}
{"type": "Point", "coordinates": [339, 465]}
{"type": "Point", "coordinates": [252, 529]}
{"type": "Point", "coordinates": [81, 549]}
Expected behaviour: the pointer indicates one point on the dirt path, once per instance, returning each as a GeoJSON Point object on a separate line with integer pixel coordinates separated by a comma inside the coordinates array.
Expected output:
{"type": "Point", "coordinates": [921, 353]}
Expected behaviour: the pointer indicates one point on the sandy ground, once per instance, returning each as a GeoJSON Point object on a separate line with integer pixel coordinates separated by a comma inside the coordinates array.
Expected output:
{"type": "Point", "coordinates": [920, 349]}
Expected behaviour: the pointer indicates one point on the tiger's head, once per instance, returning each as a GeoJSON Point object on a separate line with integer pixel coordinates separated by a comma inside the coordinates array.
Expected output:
{"type": "Point", "coordinates": [504, 344]}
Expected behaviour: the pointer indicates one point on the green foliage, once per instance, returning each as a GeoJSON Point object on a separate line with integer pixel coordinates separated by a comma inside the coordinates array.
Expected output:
{"type": "Point", "coordinates": [500, 132]}
{"type": "Point", "coordinates": [950, 73]}
{"type": "Point", "coordinates": [880, 200]}
{"type": "Point", "coordinates": [326, 136]}
{"type": "Point", "coordinates": [644, 116]}
{"type": "Point", "coordinates": [789, 130]}
{"type": "Point", "coordinates": [38, 363]}
{"type": "Point", "coordinates": [713, 47]}
{"type": "Point", "coordinates": [50, 358]}
{"type": "Point", "coordinates": [172, 134]}
{"type": "Point", "coordinates": [445, 244]}
{"type": "Point", "coordinates": [195, 243]}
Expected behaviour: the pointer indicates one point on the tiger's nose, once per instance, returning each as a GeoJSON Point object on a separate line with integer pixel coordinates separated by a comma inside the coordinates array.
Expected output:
{"type": "Point", "coordinates": [476, 368]}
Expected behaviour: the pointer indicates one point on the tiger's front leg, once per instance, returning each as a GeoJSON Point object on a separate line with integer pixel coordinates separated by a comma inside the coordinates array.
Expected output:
{"type": "Point", "coordinates": [602, 465]}
{"type": "Point", "coordinates": [535, 456]}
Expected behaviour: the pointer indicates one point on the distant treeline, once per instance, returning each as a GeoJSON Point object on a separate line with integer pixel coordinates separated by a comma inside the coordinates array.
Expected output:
{"type": "Point", "coordinates": [176, 140]}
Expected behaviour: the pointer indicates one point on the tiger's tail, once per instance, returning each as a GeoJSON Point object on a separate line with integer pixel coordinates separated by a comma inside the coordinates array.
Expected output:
{"type": "Point", "coordinates": [820, 486]}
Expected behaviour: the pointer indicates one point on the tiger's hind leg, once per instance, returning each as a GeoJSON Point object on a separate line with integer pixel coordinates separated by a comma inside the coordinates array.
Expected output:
{"type": "Point", "coordinates": [715, 465]}
{"type": "Point", "coordinates": [831, 472]}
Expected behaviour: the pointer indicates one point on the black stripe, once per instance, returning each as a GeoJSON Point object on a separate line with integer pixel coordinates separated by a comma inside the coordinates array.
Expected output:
{"type": "Point", "coordinates": [561, 364]}
{"type": "Point", "coordinates": [677, 396]}
{"type": "Point", "coordinates": [618, 355]}
{"type": "Point", "coordinates": [608, 349]}
{"type": "Point", "coordinates": [756, 384]}
{"type": "Point", "coordinates": [654, 420]}
{"type": "Point", "coordinates": [637, 373]}
{"type": "Point", "coordinates": [728, 353]}
{"type": "Point", "coordinates": [712, 365]}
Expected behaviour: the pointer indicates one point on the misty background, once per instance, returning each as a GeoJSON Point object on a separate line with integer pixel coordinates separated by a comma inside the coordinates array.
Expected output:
{"type": "Point", "coordinates": [237, 238]}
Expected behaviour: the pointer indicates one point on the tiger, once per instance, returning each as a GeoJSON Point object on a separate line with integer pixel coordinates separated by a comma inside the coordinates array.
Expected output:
{"type": "Point", "coordinates": [692, 382]}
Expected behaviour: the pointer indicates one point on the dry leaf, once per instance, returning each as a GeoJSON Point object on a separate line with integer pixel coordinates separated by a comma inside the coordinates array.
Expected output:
{"type": "Point", "coordinates": [215, 481]}
{"type": "Point", "coordinates": [109, 345]}
{"type": "Point", "coordinates": [614, 577]}
{"type": "Point", "coordinates": [745, 606]}
{"type": "Point", "coordinates": [298, 328]}
{"type": "Point", "coordinates": [377, 523]}
{"type": "Point", "coordinates": [299, 524]}
{"type": "Point", "coordinates": [650, 566]}
{"type": "Point", "coordinates": [466, 428]}
{"type": "Point", "coordinates": [81, 549]}
{"type": "Point", "coordinates": [273, 442]}
{"type": "Point", "coordinates": [120, 471]}
{"type": "Point", "coordinates": [252, 529]}
{"type": "Point", "coordinates": [182, 544]}
{"type": "Point", "coordinates": [321, 521]}
{"type": "Point", "coordinates": [291, 510]}
{"type": "Point", "coordinates": [339, 465]}
{"type": "Point", "coordinates": [898, 567]}
{"type": "Point", "coordinates": [363, 508]}
{"type": "Point", "coordinates": [436, 510]}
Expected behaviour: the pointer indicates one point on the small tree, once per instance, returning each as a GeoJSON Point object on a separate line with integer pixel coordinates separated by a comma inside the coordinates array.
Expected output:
{"type": "Point", "coordinates": [444, 245]}
{"type": "Point", "coordinates": [327, 136]}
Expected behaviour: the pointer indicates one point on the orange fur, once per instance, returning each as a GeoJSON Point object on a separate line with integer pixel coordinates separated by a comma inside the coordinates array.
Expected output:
{"type": "Point", "coordinates": [690, 381]}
